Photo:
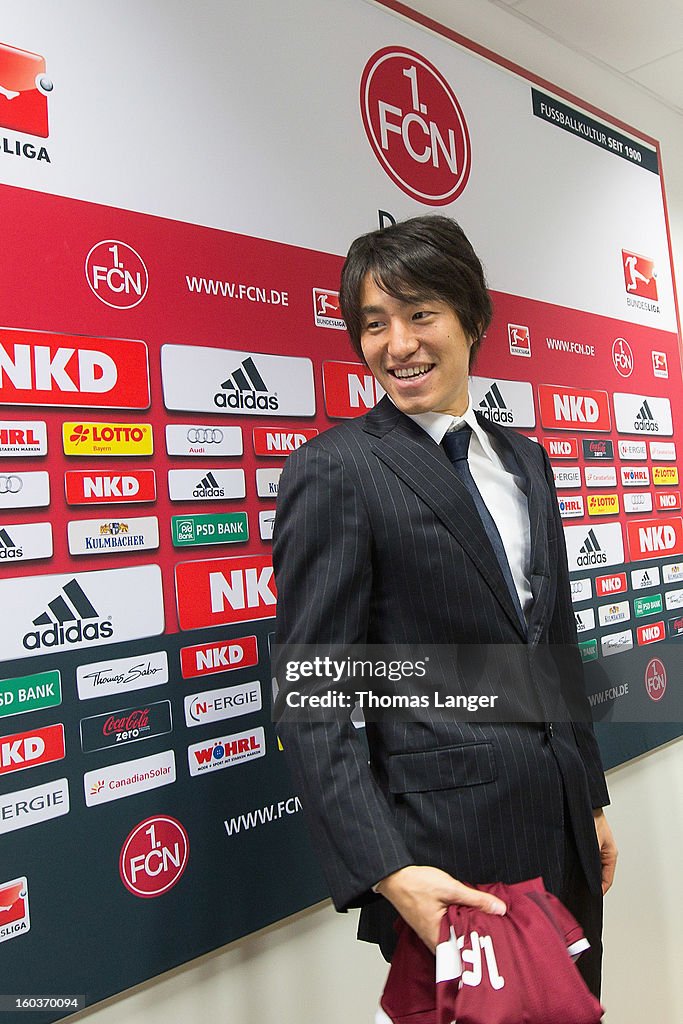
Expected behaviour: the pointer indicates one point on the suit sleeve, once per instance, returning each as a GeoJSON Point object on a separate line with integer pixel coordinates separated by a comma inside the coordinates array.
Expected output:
{"type": "Point", "coordinates": [322, 555]}
{"type": "Point", "coordinates": [562, 636]}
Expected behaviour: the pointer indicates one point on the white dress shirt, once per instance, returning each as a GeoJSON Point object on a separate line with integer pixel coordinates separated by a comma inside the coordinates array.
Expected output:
{"type": "Point", "coordinates": [502, 492]}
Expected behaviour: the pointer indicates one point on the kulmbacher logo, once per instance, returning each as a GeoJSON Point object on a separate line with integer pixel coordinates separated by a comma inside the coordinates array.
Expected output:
{"type": "Point", "coordinates": [246, 389]}
{"type": "Point", "coordinates": [8, 549]}
{"type": "Point", "coordinates": [209, 487]}
{"type": "Point", "coordinates": [590, 552]}
{"type": "Point", "coordinates": [645, 420]}
{"type": "Point", "coordinates": [493, 405]}
{"type": "Point", "coordinates": [87, 624]}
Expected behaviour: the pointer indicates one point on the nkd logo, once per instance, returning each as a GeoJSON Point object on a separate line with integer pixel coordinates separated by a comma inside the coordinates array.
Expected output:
{"type": "Point", "coordinates": [116, 274]}
{"type": "Point", "coordinates": [27, 749]}
{"type": "Point", "coordinates": [561, 447]}
{"type": "Point", "coordinates": [65, 370]}
{"type": "Point", "coordinates": [569, 408]}
{"type": "Point", "coordinates": [205, 659]}
{"type": "Point", "coordinates": [415, 125]}
{"type": "Point", "coordinates": [87, 488]}
{"type": "Point", "coordinates": [224, 590]}
{"type": "Point", "coordinates": [279, 442]}
{"type": "Point", "coordinates": [349, 389]}
{"type": "Point", "coordinates": [649, 538]}
{"type": "Point", "coordinates": [651, 634]}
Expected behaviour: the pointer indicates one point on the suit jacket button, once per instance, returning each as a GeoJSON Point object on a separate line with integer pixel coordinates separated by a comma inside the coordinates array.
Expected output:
{"type": "Point", "coordinates": [550, 729]}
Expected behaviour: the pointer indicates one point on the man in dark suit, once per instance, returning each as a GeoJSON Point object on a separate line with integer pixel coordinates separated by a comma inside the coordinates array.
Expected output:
{"type": "Point", "coordinates": [389, 530]}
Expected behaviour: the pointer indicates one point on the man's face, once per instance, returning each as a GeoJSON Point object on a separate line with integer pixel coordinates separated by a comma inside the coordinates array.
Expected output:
{"type": "Point", "coordinates": [417, 350]}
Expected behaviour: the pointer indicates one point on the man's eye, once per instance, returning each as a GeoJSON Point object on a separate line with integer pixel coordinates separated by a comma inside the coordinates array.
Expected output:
{"type": "Point", "coordinates": [421, 314]}
{"type": "Point", "coordinates": [373, 325]}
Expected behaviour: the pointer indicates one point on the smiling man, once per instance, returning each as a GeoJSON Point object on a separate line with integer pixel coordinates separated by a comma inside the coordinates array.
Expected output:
{"type": "Point", "coordinates": [422, 522]}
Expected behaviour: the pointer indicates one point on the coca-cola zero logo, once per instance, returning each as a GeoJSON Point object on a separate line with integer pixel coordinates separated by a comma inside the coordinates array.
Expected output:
{"type": "Point", "coordinates": [415, 125]}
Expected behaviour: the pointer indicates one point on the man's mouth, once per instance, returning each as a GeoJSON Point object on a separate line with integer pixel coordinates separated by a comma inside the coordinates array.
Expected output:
{"type": "Point", "coordinates": [406, 372]}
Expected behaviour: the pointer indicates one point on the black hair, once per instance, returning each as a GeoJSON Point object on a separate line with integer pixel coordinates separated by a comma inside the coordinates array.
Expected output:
{"type": "Point", "coordinates": [420, 258]}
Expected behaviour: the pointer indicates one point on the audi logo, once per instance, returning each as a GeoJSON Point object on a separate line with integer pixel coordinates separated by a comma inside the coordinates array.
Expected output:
{"type": "Point", "coordinates": [10, 484]}
{"type": "Point", "coordinates": [205, 435]}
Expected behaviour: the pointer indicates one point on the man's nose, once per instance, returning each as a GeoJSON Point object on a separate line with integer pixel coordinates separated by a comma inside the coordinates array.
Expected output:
{"type": "Point", "coordinates": [402, 341]}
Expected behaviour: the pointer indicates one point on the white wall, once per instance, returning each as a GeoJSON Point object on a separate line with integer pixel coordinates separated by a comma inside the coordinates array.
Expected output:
{"type": "Point", "coordinates": [309, 970]}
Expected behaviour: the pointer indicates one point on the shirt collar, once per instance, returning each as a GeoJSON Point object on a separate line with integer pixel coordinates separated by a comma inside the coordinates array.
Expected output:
{"type": "Point", "coordinates": [436, 424]}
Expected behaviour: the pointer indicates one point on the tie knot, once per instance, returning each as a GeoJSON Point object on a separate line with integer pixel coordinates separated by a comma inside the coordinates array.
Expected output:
{"type": "Point", "coordinates": [456, 443]}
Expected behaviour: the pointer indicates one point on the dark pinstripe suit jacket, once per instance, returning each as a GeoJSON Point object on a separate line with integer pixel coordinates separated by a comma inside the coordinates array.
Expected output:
{"type": "Point", "coordinates": [377, 541]}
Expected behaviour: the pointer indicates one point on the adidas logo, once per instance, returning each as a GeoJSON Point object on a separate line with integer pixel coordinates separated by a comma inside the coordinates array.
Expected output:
{"type": "Point", "coordinates": [493, 406]}
{"type": "Point", "coordinates": [8, 549]}
{"type": "Point", "coordinates": [590, 552]}
{"type": "Point", "coordinates": [72, 605]}
{"type": "Point", "coordinates": [645, 580]}
{"type": "Point", "coordinates": [208, 488]}
{"type": "Point", "coordinates": [645, 420]}
{"type": "Point", "coordinates": [245, 389]}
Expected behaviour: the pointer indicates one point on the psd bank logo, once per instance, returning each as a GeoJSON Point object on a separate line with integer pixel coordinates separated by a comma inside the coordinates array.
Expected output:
{"type": "Point", "coordinates": [415, 125]}
{"type": "Point", "coordinates": [24, 88]}
{"type": "Point", "coordinates": [116, 274]}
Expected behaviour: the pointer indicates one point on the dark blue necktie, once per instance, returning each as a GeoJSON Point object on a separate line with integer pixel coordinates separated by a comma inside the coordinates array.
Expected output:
{"type": "Point", "coordinates": [456, 444]}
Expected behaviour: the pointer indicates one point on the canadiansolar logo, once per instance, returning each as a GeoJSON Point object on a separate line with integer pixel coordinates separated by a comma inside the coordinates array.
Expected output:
{"type": "Point", "coordinates": [72, 605]}
{"type": "Point", "coordinates": [245, 388]}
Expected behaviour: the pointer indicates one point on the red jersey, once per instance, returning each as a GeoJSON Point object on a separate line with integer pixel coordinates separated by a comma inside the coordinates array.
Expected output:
{"type": "Point", "coordinates": [493, 970]}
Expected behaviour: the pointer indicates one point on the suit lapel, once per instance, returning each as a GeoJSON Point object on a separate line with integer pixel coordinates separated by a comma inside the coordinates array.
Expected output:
{"type": "Point", "coordinates": [424, 467]}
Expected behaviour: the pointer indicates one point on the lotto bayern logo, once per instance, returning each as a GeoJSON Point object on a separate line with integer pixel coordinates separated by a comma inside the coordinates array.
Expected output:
{"type": "Point", "coordinates": [415, 125]}
{"type": "Point", "coordinates": [24, 88]}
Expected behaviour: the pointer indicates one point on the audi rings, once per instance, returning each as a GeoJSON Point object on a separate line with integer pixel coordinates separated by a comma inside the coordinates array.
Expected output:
{"type": "Point", "coordinates": [205, 435]}
{"type": "Point", "coordinates": [10, 484]}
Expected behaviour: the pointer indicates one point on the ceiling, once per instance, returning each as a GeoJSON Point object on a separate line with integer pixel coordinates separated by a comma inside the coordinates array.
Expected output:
{"type": "Point", "coordinates": [642, 43]}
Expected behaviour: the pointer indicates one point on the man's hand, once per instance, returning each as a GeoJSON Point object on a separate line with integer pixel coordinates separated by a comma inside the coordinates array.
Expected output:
{"type": "Point", "coordinates": [608, 849]}
{"type": "Point", "coordinates": [421, 895]}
